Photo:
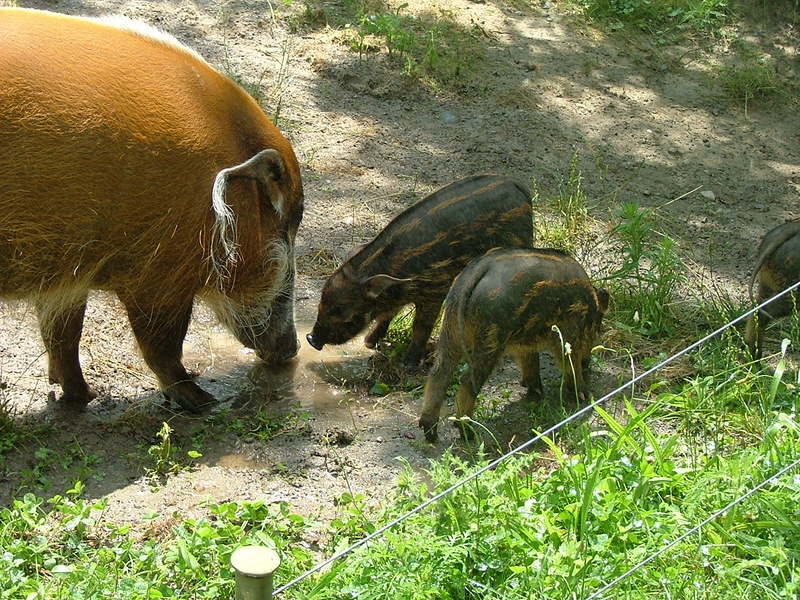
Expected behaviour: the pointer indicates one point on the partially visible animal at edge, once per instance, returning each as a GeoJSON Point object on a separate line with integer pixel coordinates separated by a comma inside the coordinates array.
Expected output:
{"type": "Point", "coordinates": [415, 258]}
{"type": "Point", "coordinates": [509, 301]}
{"type": "Point", "coordinates": [777, 268]}
{"type": "Point", "coordinates": [129, 164]}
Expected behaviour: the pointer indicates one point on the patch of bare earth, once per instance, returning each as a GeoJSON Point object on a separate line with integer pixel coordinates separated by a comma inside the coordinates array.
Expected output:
{"type": "Point", "coordinates": [648, 124]}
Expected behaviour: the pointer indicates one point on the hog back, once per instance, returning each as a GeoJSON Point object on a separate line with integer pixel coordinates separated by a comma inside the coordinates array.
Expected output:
{"type": "Point", "coordinates": [434, 239]}
{"type": "Point", "coordinates": [514, 297]}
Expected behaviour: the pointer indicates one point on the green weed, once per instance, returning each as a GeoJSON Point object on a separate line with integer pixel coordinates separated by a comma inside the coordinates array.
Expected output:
{"type": "Point", "coordinates": [63, 549]}
{"type": "Point", "coordinates": [568, 224]}
{"type": "Point", "coordinates": [561, 525]}
{"type": "Point", "coordinates": [264, 424]}
{"type": "Point", "coordinates": [660, 16]}
{"type": "Point", "coordinates": [431, 46]}
{"type": "Point", "coordinates": [398, 336]}
{"type": "Point", "coordinates": [645, 286]}
{"type": "Point", "coordinates": [165, 458]}
{"type": "Point", "coordinates": [752, 79]}
{"type": "Point", "coordinates": [557, 524]}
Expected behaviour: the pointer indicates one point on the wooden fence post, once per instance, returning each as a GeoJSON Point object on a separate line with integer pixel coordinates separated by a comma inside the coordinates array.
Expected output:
{"type": "Point", "coordinates": [254, 566]}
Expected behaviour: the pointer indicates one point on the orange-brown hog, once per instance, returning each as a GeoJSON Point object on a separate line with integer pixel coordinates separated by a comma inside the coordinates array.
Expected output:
{"type": "Point", "coordinates": [129, 164]}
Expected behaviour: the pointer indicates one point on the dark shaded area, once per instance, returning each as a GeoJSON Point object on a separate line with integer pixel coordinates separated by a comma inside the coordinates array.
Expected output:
{"type": "Point", "coordinates": [496, 123]}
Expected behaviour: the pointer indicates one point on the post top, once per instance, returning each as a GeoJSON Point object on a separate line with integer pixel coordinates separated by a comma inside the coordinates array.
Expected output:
{"type": "Point", "coordinates": [255, 561]}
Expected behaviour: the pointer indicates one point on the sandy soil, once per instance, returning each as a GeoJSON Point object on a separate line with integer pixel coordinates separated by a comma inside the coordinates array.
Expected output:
{"type": "Point", "coordinates": [649, 124]}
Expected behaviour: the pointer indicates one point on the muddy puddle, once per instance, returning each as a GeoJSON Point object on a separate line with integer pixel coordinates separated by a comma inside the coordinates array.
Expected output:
{"type": "Point", "coordinates": [327, 388]}
{"type": "Point", "coordinates": [315, 381]}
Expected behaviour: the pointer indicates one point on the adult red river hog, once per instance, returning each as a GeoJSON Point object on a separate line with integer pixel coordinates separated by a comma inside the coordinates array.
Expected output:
{"type": "Point", "coordinates": [128, 164]}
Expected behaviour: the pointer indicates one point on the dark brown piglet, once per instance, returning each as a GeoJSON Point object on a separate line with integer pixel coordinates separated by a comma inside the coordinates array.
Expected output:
{"type": "Point", "coordinates": [416, 257]}
{"type": "Point", "coordinates": [777, 268]}
{"type": "Point", "coordinates": [509, 301]}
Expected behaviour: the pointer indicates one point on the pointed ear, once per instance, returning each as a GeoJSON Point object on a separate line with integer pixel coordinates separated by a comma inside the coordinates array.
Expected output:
{"type": "Point", "coordinates": [266, 166]}
{"type": "Point", "coordinates": [603, 299]}
{"type": "Point", "coordinates": [377, 284]}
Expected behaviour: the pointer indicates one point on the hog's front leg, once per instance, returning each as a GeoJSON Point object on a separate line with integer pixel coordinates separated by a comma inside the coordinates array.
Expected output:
{"type": "Point", "coordinates": [378, 331]}
{"type": "Point", "coordinates": [61, 328]}
{"type": "Point", "coordinates": [424, 319]}
{"type": "Point", "coordinates": [160, 332]}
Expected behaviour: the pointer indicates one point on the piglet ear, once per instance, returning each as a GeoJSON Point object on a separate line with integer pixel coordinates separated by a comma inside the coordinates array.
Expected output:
{"type": "Point", "coordinates": [377, 284]}
{"type": "Point", "coordinates": [603, 299]}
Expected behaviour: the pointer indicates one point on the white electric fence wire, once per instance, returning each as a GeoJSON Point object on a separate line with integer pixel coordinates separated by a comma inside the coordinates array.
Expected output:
{"type": "Point", "coordinates": [694, 529]}
{"type": "Point", "coordinates": [483, 588]}
{"type": "Point", "coordinates": [380, 531]}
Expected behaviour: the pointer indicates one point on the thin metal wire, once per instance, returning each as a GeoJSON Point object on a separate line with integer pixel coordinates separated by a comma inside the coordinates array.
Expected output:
{"type": "Point", "coordinates": [380, 531]}
{"type": "Point", "coordinates": [484, 588]}
{"type": "Point", "coordinates": [694, 529]}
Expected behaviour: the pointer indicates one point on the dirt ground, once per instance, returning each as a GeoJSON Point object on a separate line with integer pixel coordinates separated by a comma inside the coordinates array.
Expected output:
{"type": "Point", "coordinates": [649, 124]}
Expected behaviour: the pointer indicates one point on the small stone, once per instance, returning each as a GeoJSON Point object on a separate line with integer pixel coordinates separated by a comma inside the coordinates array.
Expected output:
{"type": "Point", "coordinates": [409, 435]}
{"type": "Point", "coordinates": [335, 436]}
{"type": "Point", "coordinates": [379, 439]}
{"type": "Point", "coordinates": [708, 194]}
{"type": "Point", "coordinates": [449, 117]}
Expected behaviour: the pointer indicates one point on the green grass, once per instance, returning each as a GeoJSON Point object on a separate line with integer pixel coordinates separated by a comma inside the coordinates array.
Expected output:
{"type": "Point", "coordinates": [556, 524]}
{"type": "Point", "coordinates": [62, 548]}
{"type": "Point", "coordinates": [561, 524]}
{"type": "Point", "coordinates": [660, 17]}
{"type": "Point", "coordinates": [165, 458]}
{"type": "Point", "coordinates": [751, 79]}
{"type": "Point", "coordinates": [646, 273]}
{"type": "Point", "coordinates": [644, 287]}
{"type": "Point", "coordinates": [432, 46]}
{"type": "Point", "coordinates": [566, 223]}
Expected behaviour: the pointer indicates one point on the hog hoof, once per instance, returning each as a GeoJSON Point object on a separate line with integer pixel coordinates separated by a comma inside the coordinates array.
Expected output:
{"type": "Point", "coordinates": [189, 396]}
{"type": "Point", "coordinates": [77, 399]}
{"type": "Point", "coordinates": [429, 427]}
{"type": "Point", "coordinates": [533, 395]}
{"type": "Point", "coordinates": [414, 360]}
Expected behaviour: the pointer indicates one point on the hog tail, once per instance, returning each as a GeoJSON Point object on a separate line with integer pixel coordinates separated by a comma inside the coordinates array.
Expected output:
{"type": "Point", "coordinates": [223, 239]}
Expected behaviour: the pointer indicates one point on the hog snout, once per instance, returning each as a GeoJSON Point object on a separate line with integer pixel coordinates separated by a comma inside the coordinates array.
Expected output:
{"type": "Point", "coordinates": [315, 341]}
{"type": "Point", "coordinates": [286, 349]}
{"type": "Point", "coordinates": [282, 348]}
